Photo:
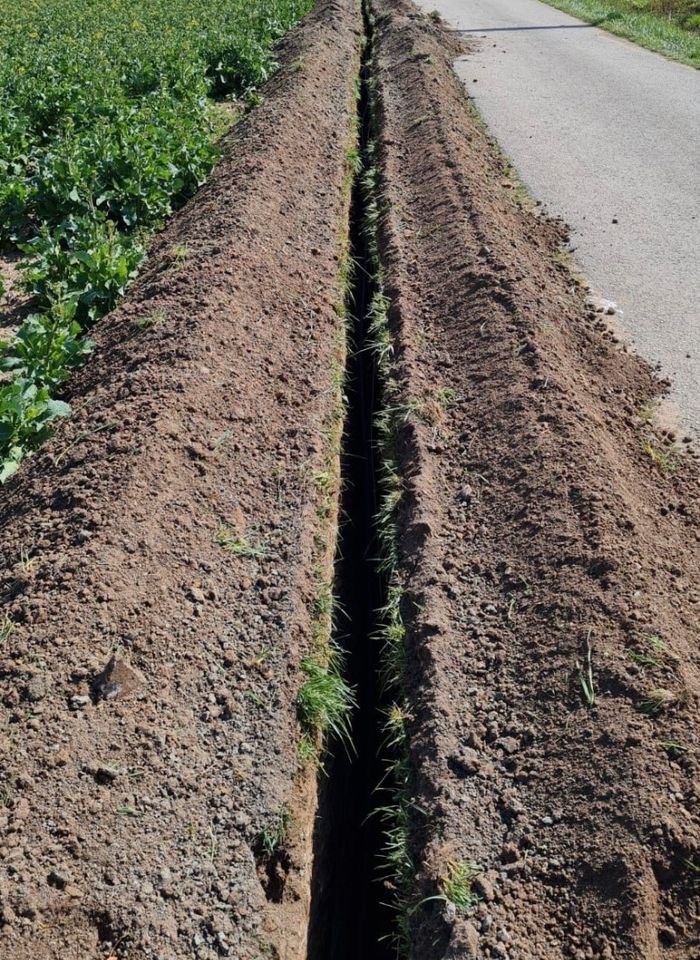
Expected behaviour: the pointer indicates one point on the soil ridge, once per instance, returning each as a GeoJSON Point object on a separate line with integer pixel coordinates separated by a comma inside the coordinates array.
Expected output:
{"type": "Point", "coordinates": [547, 528]}
{"type": "Point", "coordinates": [160, 558]}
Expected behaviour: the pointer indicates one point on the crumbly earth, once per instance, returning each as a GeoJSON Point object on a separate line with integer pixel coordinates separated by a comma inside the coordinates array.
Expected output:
{"type": "Point", "coordinates": [544, 521]}
{"type": "Point", "coordinates": [148, 675]}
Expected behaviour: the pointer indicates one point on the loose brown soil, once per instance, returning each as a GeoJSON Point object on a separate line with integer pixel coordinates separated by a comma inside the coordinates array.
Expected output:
{"type": "Point", "coordinates": [148, 677]}
{"type": "Point", "coordinates": [535, 525]}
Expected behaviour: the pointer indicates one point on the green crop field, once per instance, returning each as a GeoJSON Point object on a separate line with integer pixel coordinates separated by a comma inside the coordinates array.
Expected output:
{"type": "Point", "coordinates": [109, 114]}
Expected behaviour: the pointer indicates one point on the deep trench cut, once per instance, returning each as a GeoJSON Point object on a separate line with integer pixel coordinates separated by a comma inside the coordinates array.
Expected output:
{"type": "Point", "coordinates": [349, 918]}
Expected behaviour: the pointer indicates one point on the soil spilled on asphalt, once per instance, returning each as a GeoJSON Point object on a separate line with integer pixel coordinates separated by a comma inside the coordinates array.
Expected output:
{"type": "Point", "coordinates": [164, 554]}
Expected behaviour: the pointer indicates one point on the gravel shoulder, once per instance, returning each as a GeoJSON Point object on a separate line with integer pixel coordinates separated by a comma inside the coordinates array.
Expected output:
{"type": "Point", "coordinates": [148, 675]}
{"type": "Point", "coordinates": [546, 527]}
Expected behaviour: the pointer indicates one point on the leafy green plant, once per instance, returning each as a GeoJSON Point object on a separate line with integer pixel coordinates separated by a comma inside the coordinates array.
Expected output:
{"type": "Point", "coordinates": [26, 415]}
{"type": "Point", "coordinates": [47, 347]}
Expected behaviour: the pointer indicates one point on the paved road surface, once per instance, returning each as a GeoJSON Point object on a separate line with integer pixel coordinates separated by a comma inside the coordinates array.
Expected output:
{"type": "Point", "coordinates": [600, 129]}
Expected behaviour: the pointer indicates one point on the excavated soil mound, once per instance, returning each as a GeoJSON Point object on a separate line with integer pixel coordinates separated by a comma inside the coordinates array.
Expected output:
{"type": "Point", "coordinates": [550, 539]}
{"type": "Point", "coordinates": [159, 564]}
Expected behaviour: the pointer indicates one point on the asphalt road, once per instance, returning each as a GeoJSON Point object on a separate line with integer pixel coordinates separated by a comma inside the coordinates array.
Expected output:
{"type": "Point", "coordinates": [607, 136]}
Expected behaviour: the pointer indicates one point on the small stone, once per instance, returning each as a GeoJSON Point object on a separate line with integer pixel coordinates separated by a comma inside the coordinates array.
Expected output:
{"type": "Point", "coordinates": [36, 689]}
{"type": "Point", "coordinates": [20, 811]}
{"type": "Point", "coordinates": [464, 942]}
{"type": "Point", "coordinates": [116, 680]}
{"type": "Point", "coordinates": [510, 853]}
{"type": "Point", "coordinates": [484, 888]}
{"type": "Point", "coordinates": [79, 701]}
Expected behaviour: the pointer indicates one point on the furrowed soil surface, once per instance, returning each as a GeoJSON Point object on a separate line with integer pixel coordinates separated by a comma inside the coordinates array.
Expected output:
{"type": "Point", "coordinates": [536, 527]}
{"type": "Point", "coordinates": [148, 676]}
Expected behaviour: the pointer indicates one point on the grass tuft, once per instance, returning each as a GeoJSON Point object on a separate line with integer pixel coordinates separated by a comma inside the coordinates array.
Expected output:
{"type": "Point", "coordinates": [585, 674]}
{"type": "Point", "coordinates": [325, 701]}
{"type": "Point", "coordinates": [273, 835]}
{"type": "Point", "coordinates": [663, 459]}
{"type": "Point", "coordinates": [656, 701]}
{"type": "Point", "coordinates": [236, 544]}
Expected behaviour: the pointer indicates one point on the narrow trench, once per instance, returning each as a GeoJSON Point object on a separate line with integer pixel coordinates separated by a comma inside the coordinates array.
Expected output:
{"type": "Point", "coordinates": [349, 919]}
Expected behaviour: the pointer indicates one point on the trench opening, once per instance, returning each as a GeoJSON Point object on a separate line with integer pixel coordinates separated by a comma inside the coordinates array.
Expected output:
{"type": "Point", "coordinates": [350, 918]}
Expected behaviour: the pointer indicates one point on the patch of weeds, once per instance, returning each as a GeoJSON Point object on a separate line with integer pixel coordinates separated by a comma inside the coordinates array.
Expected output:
{"type": "Point", "coordinates": [415, 124]}
{"type": "Point", "coordinates": [650, 654]}
{"type": "Point", "coordinates": [308, 752]}
{"type": "Point", "coordinates": [585, 674]}
{"type": "Point", "coordinates": [254, 698]}
{"type": "Point", "coordinates": [420, 57]}
{"type": "Point", "coordinates": [646, 412]}
{"type": "Point", "coordinates": [394, 413]}
{"type": "Point", "coordinates": [125, 810]}
{"type": "Point", "coordinates": [445, 397]}
{"type": "Point", "coordinates": [222, 441]}
{"type": "Point", "coordinates": [456, 885]}
{"type": "Point", "coordinates": [154, 319]}
{"type": "Point", "coordinates": [237, 545]}
{"type": "Point", "coordinates": [665, 460]}
{"type": "Point", "coordinates": [7, 627]}
{"type": "Point", "coordinates": [673, 747]}
{"type": "Point", "coordinates": [325, 700]}
{"type": "Point", "coordinates": [260, 659]}
{"type": "Point", "coordinates": [25, 562]}
{"type": "Point", "coordinates": [656, 701]}
{"type": "Point", "coordinates": [6, 795]}
{"type": "Point", "coordinates": [436, 16]}
{"type": "Point", "coordinates": [85, 435]}
{"type": "Point", "coordinates": [273, 835]}
{"type": "Point", "coordinates": [180, 253]}
{"type": "Point", "coordinates": [353, 159]}
{"type": "Point", "coordinates": [692, 864]}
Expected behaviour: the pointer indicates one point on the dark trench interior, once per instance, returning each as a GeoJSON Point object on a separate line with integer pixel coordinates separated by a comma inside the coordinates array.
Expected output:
{"type": "Point", "coordinates": [349, 917]}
